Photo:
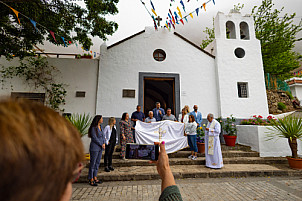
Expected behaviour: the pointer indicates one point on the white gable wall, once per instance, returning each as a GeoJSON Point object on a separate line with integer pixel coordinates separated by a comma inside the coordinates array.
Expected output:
{"type": "Point", "coordinates": [120, 66]}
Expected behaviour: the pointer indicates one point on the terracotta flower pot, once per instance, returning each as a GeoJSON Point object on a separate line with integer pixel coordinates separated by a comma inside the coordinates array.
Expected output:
{"type": "Point", "coordinates": [230, 140]}
{"type": "Point", "coordinates": [201, 147]}
{"type": "Point", "coordinates": [295, 163]}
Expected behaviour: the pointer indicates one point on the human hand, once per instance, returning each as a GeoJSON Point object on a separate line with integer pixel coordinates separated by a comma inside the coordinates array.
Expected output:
{"type": "Point", "coordinates": [124, 138]}
{"type": "Point", "coordinates": [163, 167]}
{"type": "Point", "coordinates": [103, 146]}
{"type": "Point", "coordinates": [159, 112]}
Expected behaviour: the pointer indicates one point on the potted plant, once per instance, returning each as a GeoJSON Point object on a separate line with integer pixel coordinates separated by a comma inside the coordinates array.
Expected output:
{"type": "Point", "coordinates": [289, 127]}
{"type": "Point", "coordinates": [200, 140]}
{"type": "Point", "coordinates": [229, 127]}
{"type": "Point", "coordinates": [86, 56]}
{"type": "Point", "coordinates": [82, 123]}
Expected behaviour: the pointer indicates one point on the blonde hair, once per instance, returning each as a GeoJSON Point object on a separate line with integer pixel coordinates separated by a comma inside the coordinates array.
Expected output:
{"type": "Point", "coordinates": [111, 121]}
{"type": "Point", "coordinates": [39, 151]}
{"type": "Point", "coordinates": [186, 109]}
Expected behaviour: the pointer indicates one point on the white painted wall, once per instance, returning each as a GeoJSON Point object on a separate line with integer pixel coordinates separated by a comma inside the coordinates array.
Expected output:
{"type": "Point", "coordinates": [256, 138]}
{"type": "Point", "coordinates": [231, 69]}
{"type": "Point", "coordinates": [121, 64]}
{"type": "Point", "coordinates": [77, 74]}
{"type": "Point", "coordinates": [296, 88]}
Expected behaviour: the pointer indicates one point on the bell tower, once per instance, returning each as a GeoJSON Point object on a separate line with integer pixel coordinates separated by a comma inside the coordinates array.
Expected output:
{"type": "Point", "coordinates": [239, 67]}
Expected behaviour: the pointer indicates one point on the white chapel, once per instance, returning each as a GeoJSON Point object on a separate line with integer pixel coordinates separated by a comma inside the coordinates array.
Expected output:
{"type": "Point", "coordinates": [161, 65]}
{"type": "Point", "coordinates": [225, 79]}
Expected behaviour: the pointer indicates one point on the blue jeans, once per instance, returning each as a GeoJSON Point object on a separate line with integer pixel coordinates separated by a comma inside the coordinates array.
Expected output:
{"type": "Point", "coordinates": [192, 142]}
{"type": "Point", "coordinates": [95, 160]}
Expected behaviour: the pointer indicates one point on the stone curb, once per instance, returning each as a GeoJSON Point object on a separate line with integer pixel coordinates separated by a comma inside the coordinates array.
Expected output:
{"type": "Point", "coordinates": [152, 176]}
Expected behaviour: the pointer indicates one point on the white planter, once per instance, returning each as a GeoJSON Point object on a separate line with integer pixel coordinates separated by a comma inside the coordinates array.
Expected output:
{"type": "Point", "coordinates": [256, 138]}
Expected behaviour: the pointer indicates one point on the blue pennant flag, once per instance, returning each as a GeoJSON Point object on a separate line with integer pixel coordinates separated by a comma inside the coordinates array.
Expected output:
{"type": "Point", "coordinates": [213, 2]}
{"type": "Point", "coordinates": [64, 41]}
{"type": "Point", "coordinates": [183, 5]}
{"type": "Point", "coordinates": [34, 23]}
{"type": "Point", "coordinates": [197, 10]}
{"type": "Point", "coordinates": [176, 17]}
{"type": "Point", "coordinates": [152, 5]}
{"type": "Point", "coordinates": [186, 19]}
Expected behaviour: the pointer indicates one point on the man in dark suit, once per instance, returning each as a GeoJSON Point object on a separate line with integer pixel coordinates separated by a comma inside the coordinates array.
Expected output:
{"type": "Point", "coordinates": [158, 112]}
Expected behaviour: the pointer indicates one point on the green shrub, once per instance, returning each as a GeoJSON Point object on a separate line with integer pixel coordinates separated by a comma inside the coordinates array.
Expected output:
{"type": "Point", "coordinates": [289, 94]}
{"type": "Point", "coordinates": [281, 106]}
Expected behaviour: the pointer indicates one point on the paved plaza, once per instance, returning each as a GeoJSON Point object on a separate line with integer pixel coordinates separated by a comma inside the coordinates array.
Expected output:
{"type": "Point", "coordinates": [251, 188]}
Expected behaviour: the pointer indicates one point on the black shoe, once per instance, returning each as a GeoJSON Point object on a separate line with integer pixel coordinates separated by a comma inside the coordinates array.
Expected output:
{"type": "Point", "coordinates": [98, 181]}
{"type": "Point", "coordinates": [93, 183]}
{"type": "Point", "coordinates": [107, 169]}
{"type": "Point", "coordinates": [111, 168]}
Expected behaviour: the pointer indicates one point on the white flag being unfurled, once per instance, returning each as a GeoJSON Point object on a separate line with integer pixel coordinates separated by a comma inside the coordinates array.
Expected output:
{"type": "Point", "coordinates": [169, 131]}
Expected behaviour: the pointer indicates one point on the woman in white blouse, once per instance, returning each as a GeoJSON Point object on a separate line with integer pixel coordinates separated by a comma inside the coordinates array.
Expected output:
{"type": "Point", "coordinates": [190, 131]}
{"type": "Point", "coordinates": [111, 139]}
{"type": "Point", "coordinates": [183, 117]}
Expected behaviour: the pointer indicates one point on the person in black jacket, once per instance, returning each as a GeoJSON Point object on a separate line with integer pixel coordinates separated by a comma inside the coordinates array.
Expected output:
{"type": "Point", "coordinates": [111, 140]}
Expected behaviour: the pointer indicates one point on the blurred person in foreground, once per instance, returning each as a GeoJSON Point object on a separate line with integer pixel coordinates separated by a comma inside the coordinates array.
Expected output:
{"type": "Point", "coordinates": [41, 153]}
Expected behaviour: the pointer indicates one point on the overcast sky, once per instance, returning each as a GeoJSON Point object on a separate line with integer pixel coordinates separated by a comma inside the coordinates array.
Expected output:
{"type": "Point", "coordinates": [133, 17]}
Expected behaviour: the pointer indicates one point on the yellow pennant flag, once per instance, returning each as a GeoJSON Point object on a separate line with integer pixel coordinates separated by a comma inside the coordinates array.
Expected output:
{"type": "Point", "coordinates": [17, 13]}
{"type": "Point", "coordinates": [154, 12]}
{"type": "Point", "coordinates": [191, 15]}
{"type": "Point", "coordinates": [204, 6]}
{"type": "Point", "coordinates": [179, 13]}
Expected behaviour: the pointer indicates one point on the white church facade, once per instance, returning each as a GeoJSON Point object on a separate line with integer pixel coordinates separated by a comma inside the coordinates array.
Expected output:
{"type": "Point", "coordinates": [161, 65]}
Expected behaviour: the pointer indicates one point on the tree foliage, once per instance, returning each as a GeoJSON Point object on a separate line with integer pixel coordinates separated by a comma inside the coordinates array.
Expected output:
{"type": "Point", "coordinates": [36, 73]}
{"type": "Point", "coordinates": [277, 36]}
{"type": "Point", "coordinates": [210, 36]}
{"type": "Point", "coordinates": [60, 16]}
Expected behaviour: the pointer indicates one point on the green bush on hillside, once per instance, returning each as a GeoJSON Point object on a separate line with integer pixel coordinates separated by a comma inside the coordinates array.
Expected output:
{"type": "Point", "coordinates": [281, 106]}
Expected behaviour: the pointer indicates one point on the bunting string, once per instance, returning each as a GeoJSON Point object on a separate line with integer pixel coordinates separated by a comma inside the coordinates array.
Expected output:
{"type": "Point", "coordinates": [34, 23]}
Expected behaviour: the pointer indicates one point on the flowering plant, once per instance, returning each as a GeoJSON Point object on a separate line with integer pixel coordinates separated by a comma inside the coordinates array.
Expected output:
{"type": "Point", "coordinates": [229, 126]}
{"type": "Point", "coordinates": [200, 135]}
{"type": "Point", "coordinates": [258, 120]}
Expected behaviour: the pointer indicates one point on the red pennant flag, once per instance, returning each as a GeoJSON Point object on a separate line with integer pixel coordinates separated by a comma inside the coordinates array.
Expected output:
{"type": "Point", "coordinates": [53, 35]}
{"type": "Point", "coordinates": [181, 21]}
{"type": "Point", "coordinates": [69, 42]}
{"type": "Point", "coordinates": [17, 13]}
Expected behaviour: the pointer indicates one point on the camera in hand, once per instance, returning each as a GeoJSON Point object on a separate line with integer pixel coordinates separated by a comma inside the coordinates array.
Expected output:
{"type": "Point", "coordinates": [142, 151]}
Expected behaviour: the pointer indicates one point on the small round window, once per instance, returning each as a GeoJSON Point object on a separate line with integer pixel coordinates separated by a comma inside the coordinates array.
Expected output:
{"type": "Point", "coordinates": [159, 55]}
{"type": "Point", "coordinates": [239, 52]}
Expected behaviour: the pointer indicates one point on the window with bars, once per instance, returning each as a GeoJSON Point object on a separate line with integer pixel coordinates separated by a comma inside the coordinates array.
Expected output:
{"type": "Point", "coordinates": [159, 55]}
{"type": "Point", "coordinates": [242, 90]}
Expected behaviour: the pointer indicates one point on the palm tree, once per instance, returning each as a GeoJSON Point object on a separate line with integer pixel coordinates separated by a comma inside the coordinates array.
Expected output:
{"type": "Point", "coordinates": [81, 122]}
{"type": "Point", "coordinates": [289, 127]}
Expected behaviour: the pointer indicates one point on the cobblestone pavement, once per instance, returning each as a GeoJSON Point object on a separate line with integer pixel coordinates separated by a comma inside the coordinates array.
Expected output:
{"type": "Point", "coordinates": [251, 188]}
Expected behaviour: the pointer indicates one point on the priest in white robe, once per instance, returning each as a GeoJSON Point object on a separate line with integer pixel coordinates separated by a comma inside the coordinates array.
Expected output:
{"type": "Point", "coordinates": [212, 144]}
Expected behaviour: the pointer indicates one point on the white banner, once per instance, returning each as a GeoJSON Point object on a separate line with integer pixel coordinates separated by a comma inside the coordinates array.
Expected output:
{"type": "Point", "coordinates": [169, 131]}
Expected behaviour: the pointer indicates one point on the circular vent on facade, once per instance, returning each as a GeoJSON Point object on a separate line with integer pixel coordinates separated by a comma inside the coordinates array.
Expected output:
{"type": "Point", "coordinates": [159, 55]}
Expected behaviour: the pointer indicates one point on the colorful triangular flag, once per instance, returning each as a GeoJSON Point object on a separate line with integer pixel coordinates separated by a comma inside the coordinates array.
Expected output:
{"type": "Point", "coordinates": [17, 14]}
{"type": "Point", "coordinates": [204, 6]}
{"type": "Point", "coordinates": [197, 10]}
{"type": "Point", "coordinates": [191, 15]}
{"type": "Point", "coordinates": [64, 41]}
{"type": "Point", "coordinates": [153, 11]}
{"type": "Point", "coordinates": [53, 35]}
{"type": "Point", "coordinates": [181, 21]}
{"type": "Point", "coordinates": [34, 23]}
{"type": "Point", "coordinates": [213, 2]}
{"type": "Point", "coordinates": [152, 5]}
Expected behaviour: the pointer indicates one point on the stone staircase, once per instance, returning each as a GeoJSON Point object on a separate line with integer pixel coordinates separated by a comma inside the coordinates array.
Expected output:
{"type": "Point", "coordinates": [239, 161]}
